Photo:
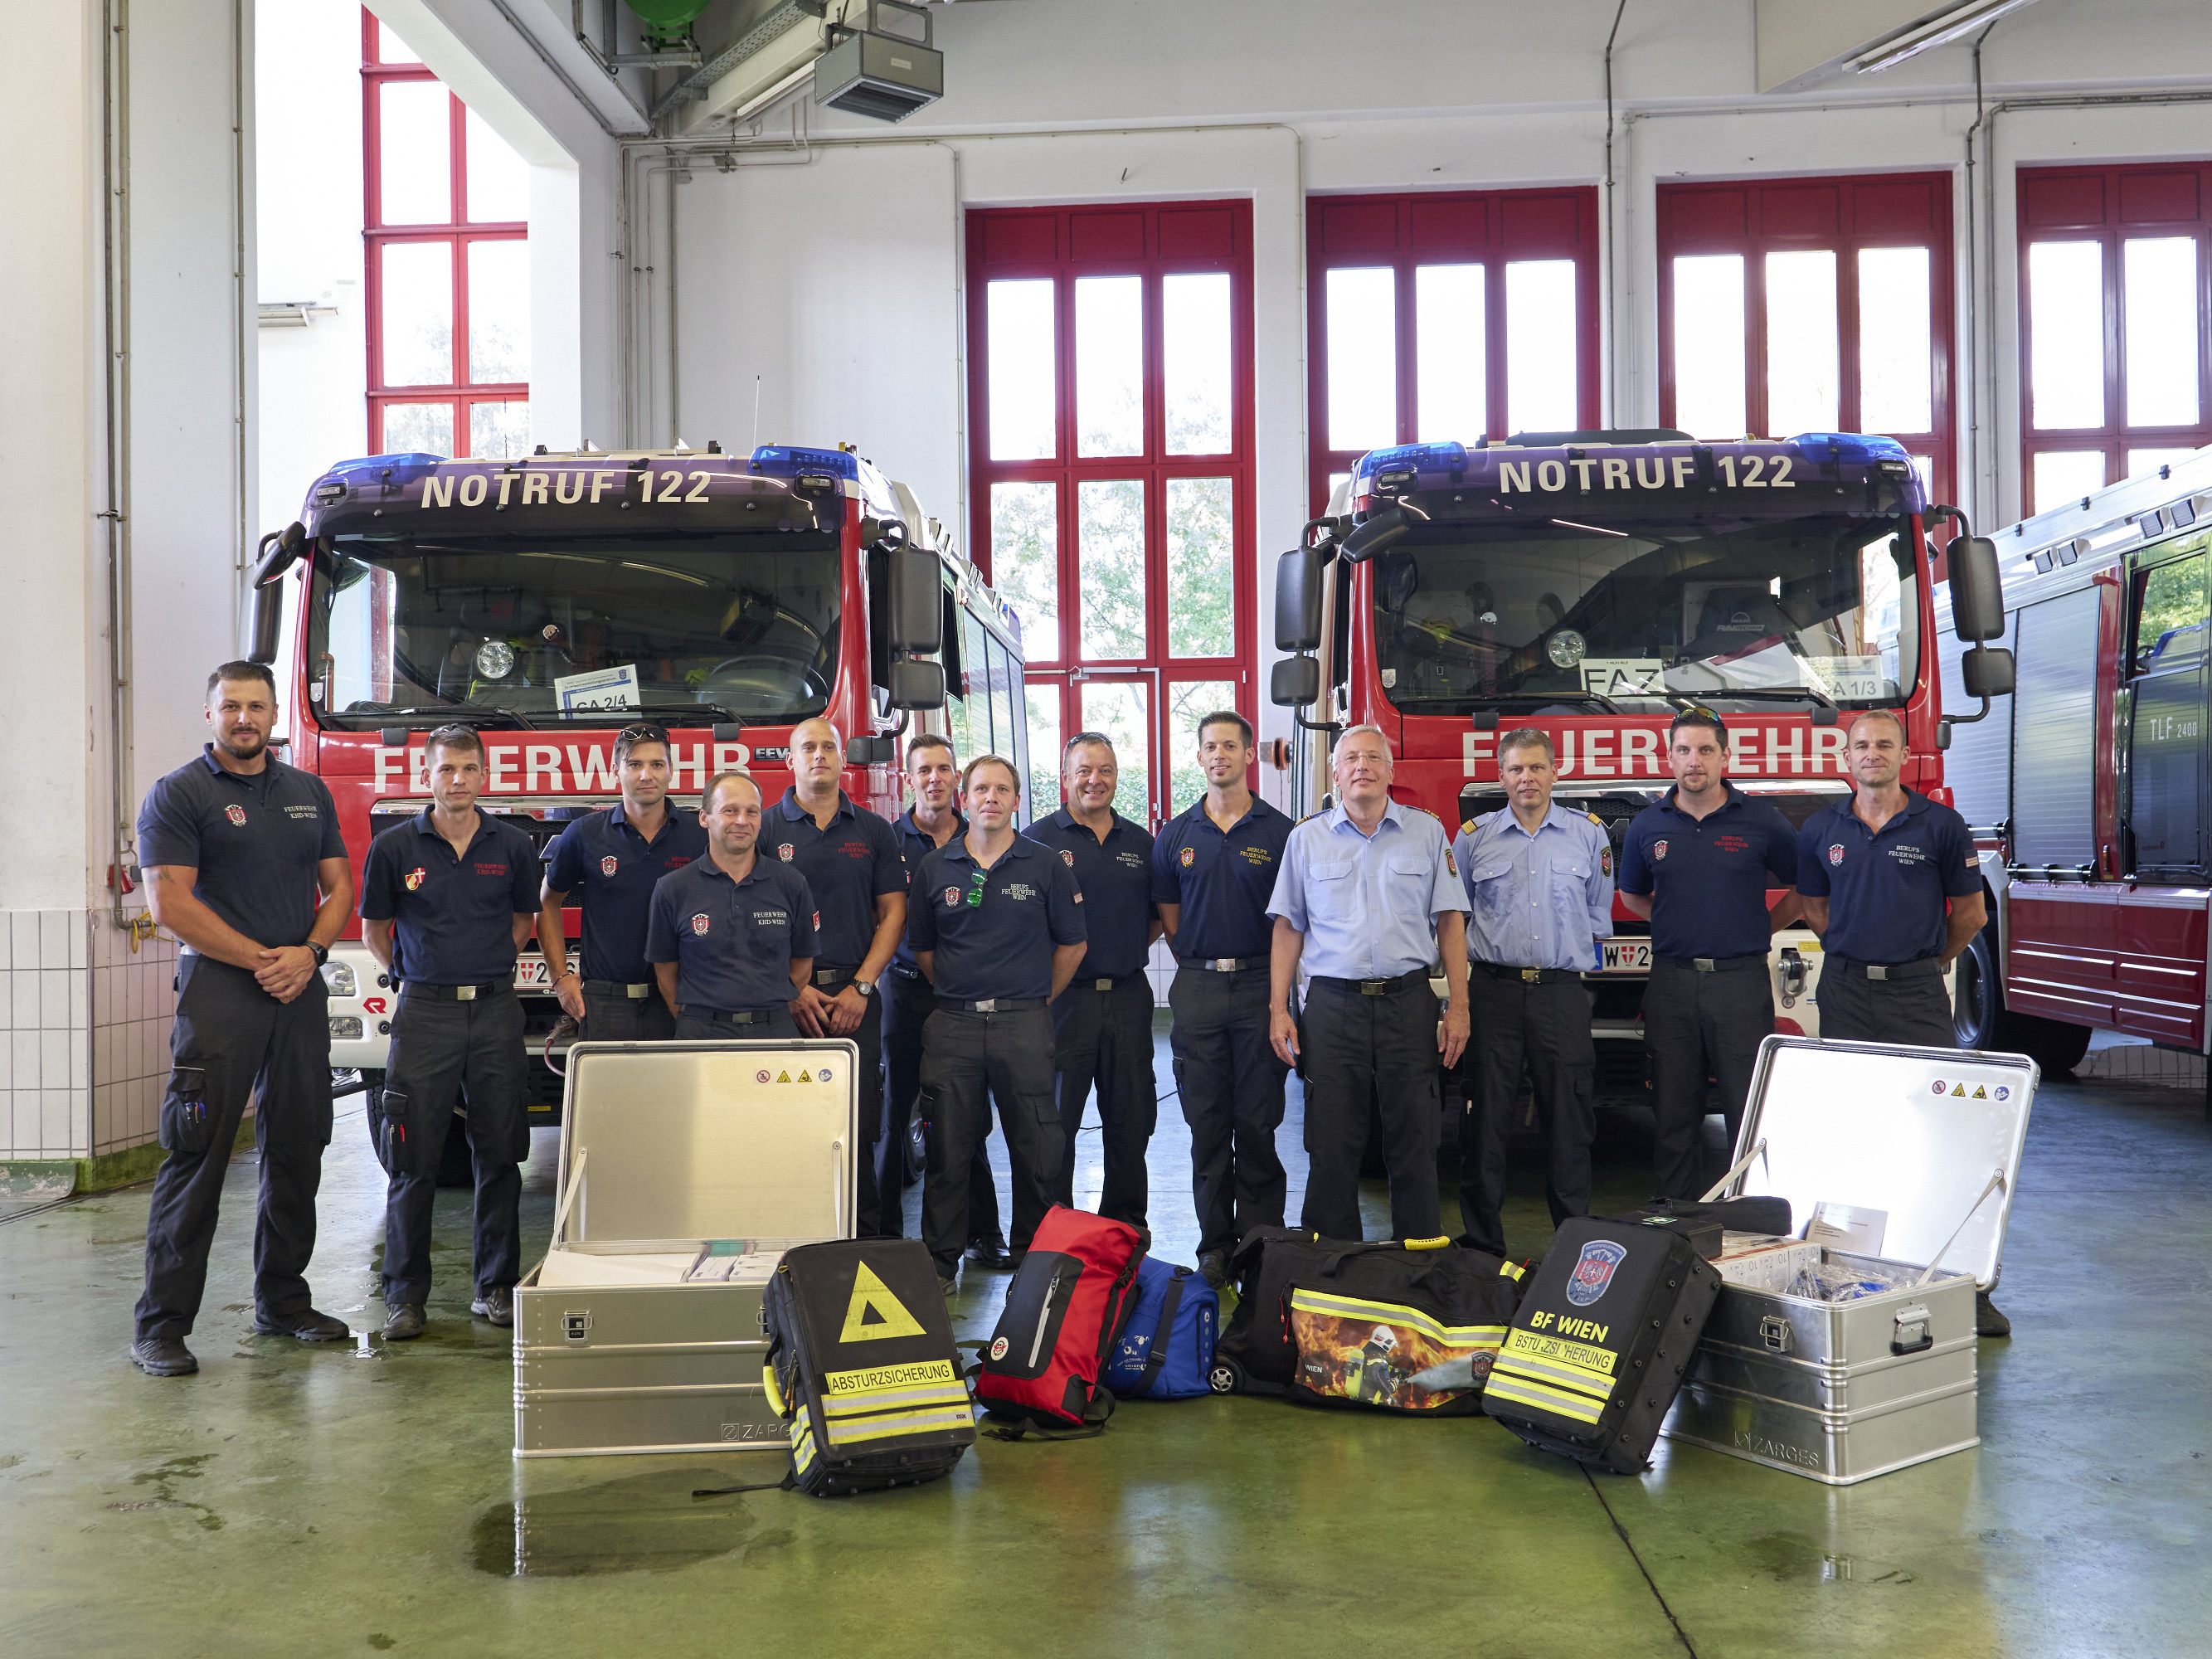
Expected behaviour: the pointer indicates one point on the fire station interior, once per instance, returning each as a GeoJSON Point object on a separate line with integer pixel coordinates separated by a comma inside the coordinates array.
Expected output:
{"type": "Point", "coordinates": [1110, 302]}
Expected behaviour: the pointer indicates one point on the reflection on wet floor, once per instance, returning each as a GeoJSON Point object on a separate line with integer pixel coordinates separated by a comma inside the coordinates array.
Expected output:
{"type": "Point", "coordinates": [640, 1524]}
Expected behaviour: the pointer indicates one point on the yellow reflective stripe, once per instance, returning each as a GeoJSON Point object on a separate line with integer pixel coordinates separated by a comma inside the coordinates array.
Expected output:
{"type": "Point", "coordinates": [953, 1394]}
{"type": "Point", "coordinates": [887, 1428]}
{"type": "Point", "coordinates": [802, 1446]}
{"type": "Point", "coordinates": [1558, 1350]}
{"type": "Point", "coordinates": [1390, 1312]}
{"type": "Point", "coordinates": [1535, 1394]}
{"type": "Point", "coordinates": [775, 1395]}
{"type": "Point", "coordinates": [1571, 1377]}
{"type": "Point", "coordinates": [1508, 1270]}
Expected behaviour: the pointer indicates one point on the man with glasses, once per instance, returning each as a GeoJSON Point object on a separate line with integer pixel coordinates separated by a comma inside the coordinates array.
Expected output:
{"type": "Point", "coordinates": [448, 899]}
{"type": "Point", "coordinates": [997, 926]}
{"type": "Point", "coordinates": [1102, 1022]}
{"type": "Point", "coordinates": [932, 779]}
{"type": "Point", "coordinates": [852, 866]}
{"type": "Point", "coordinates": [731, 936]}
{"type": "Point", "coordinates": [613, 859]}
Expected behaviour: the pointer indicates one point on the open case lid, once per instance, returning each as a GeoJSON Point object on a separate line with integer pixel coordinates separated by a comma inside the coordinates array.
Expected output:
{"type": "Point", "coordinates": [706, 1141]}
{"type": "Point", "coordinates": [1915, 1133]}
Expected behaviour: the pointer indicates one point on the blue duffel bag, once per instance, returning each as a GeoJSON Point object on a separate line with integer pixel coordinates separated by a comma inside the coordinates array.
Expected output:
{"type": "Point", "coordinates": [1167, 1347]}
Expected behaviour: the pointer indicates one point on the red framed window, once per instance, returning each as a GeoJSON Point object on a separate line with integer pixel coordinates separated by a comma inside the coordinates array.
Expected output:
{"type": "Point", "coordinates": [448, 265]}
{"type": "Point", "coordinates": [1811, 305]}
{"type": "Point", "coordinates": [1467, 315]}
{"type": "Point", "coordinates": [2116, 378]}
{"type": "Point", "coordinates": [1110, 469]}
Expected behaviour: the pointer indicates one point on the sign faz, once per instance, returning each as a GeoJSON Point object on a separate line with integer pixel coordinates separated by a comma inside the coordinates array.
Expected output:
{"type": "Point", "coordinates": [1773, 748]}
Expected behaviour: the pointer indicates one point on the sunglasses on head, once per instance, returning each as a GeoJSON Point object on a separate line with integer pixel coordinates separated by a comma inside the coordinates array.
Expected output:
{"type": "Point", "coordinates": [641, 734]}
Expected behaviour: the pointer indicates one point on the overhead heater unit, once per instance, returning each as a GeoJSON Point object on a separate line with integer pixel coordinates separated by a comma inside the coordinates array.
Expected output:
{"type": "Point", "coordinates": [882, 76]}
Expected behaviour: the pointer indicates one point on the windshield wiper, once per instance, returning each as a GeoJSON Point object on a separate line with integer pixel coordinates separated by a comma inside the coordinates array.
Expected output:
{"type": "Point", "coordinates": [1771, 691]}
{"type": "Point", "coordinates": [1541, 697]}
{"type": "Point", "coordinates": [667, 711]}
{"type": "Point", "coordinates": [482, 711]}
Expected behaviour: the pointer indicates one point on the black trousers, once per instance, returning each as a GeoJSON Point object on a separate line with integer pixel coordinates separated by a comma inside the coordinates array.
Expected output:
{"type": "Point", "coordinates": [232, 1041]}
{"type": "Point", "coordinates": [967, 1061]}
{"type": "Point", "coordinates": [439, 1048]}
{"type": "Point", "coordinates": [1381, 1049]}
{"type": "Point", "coordinates": [1542, 1030]}
{"type": "Point", "coordinates": [908, 1004]}
{"type": "Point", "coordinates": [1914, 1013]}
{"type": "Point", "coordinates": [702, 1027]}
{"type": "Point", "coordinates": [1105, 1037]}
{"type": "Point", "coordinates": [869, 1040]}
{"type": "Point", "coordinates": [611, 1018]}
{"type": "Point", "coordinates": [1231, 1084]}
{"type": "Point", "coordinates": [1695, 1026]}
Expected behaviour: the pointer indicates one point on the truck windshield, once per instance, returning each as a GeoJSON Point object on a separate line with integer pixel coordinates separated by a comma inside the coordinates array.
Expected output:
{"type": "Point", "coordinates": [580, 629]}
{"type": "Point", "coordinates": [1824, 609]}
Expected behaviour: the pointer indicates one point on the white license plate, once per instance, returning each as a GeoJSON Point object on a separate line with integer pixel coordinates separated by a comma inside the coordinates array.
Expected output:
{"type": "Point", "coordinates": [1627, 956]}
{"type": "Point", "coordinates": [531, 975]}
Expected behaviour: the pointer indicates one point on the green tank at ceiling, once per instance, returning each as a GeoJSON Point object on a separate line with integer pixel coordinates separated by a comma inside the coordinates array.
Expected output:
{"type": "Point", "coordinates": [667, 22]}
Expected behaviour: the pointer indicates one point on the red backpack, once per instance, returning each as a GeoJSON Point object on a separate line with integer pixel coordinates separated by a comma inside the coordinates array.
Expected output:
{"type": "Point", "coordinates": [1065, 1310]}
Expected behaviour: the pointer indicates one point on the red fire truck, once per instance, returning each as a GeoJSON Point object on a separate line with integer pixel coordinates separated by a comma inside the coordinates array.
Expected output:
{"type": "Point", "coordinates": [2088, 789]}
{"type": "Point", "coordinates": [1591, 584]}
{"type": "Point", "coordinates": [550, 601]}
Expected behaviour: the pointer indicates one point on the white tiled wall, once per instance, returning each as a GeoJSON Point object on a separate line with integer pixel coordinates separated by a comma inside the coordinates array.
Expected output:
{"type": "Point", "coordinates": [84, 1034]}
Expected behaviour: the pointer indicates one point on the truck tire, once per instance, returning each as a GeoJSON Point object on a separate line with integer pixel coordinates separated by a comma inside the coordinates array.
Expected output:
{"type": "Point", "coordinates": [455, 1168]}
{"type": "Point", "coordinates": [1981, 1020]}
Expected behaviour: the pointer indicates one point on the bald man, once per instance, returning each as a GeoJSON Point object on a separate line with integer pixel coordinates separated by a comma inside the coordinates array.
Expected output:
{"type": "Point", "coordinates": [850, 858]}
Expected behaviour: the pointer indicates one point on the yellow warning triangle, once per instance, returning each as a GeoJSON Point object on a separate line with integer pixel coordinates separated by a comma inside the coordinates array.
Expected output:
{"type": "Point", "coordinates": [874, 1312]}
{"type": "Point", "coordinates": [1981, 1093]}
{"type": "Point", "coordinates": [783, 1077]}
{"type": "Point", "coordinates": [1959, 1090]}
{"type": "Point", "coordinates": [806, 1077]}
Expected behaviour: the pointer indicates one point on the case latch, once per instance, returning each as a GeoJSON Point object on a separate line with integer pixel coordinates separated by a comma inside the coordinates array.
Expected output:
{"type": "Point", "coordinates": [1774, 1332]}
{"type": "Point", "coordinates": [576, 1326]}
{"type": "Point", "coordinates": [1911, 1333]}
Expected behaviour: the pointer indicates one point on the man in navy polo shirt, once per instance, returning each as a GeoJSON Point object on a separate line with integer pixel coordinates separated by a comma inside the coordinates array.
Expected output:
{"type": "Point", "coordinates": [614, 857]}
{"type": "Point", "coordinates": [730, 938]}
{"type": "Point", "coordinates": [245, 866]}
{"type": "Point", "coordinates": [1102, 1022]}
{"type": "Point", "coordinates": [447, 899]}
{"type": "Point", "coordinates": [1698, 863]}
{"type": "Point", "coordinates": [1893, 890]}
{"type": "Point", "coordinates": [996, 923]}
{"type": "Point", "coordinates": [932, 779]}
{"type": "Point", "coordinates": [851, 862]}
{"type": "Point", "coordinates": [1213, 869]}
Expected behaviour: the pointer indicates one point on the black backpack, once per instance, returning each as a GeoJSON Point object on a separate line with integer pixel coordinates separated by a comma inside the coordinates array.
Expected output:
{"type": "Point", "coordinates": [861, 1366]}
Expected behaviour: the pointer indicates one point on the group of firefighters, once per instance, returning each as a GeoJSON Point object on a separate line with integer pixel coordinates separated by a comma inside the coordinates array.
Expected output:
{"type": "Point", "coordinates": [986, 967]}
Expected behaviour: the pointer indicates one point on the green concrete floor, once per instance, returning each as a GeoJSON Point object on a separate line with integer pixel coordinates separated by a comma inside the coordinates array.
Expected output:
{"type": "Point", "coordinates": [301, 1501]}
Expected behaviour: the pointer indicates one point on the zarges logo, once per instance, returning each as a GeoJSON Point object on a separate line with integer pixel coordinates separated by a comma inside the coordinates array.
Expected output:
{"type": "Point", "coordinates": [1593, 1272]}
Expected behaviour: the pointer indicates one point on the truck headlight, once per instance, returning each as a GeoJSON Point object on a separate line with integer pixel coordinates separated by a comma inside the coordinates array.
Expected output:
{"type": "Point", "coordinates": [345, 1028]}
{"type": "Point", "coordinates": [339, 976]}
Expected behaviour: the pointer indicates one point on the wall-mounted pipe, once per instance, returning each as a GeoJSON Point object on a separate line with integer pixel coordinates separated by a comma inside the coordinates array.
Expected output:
{"type": "Point", "coordinates": [115, 345]}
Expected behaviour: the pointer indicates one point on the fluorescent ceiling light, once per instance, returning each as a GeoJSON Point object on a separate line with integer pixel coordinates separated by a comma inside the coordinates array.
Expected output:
{"type": "Point", "coordinates": [1937, 30]}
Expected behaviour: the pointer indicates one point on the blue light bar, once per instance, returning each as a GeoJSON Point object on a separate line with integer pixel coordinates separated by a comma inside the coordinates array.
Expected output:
{"type": "Point", "coordinates": [406, 464]}
{"type": "Point", "coordinates": [786, 461]}
{"type": "Point", "coordinates": [1853, 446]}
{"type": "Point", "coordinates": [1416, 458]}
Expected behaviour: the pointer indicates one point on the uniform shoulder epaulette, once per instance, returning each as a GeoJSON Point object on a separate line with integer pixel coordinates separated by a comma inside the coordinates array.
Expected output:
{"type": "Point", "coordinates": [1595, 819]}
{"type": "Point", "coordinates": [1467, 826]}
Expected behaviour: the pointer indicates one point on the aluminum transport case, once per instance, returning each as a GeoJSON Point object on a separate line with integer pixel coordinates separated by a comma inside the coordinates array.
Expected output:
{"type": "Point", "coordinates": [686, 1170]}
{"type": "Point", "coordinates": [1923, 1147]}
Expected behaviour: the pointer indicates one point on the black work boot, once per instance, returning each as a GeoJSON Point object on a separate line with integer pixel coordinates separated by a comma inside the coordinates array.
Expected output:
{"type": "Point", "coordinates": [163, 1356]}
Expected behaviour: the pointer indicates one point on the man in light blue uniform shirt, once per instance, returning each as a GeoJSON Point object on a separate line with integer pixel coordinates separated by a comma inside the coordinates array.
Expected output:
{"type": "Point", "coordinates": [1540, 885]}
{"type": "Point", "coordinates": [1367, 899]}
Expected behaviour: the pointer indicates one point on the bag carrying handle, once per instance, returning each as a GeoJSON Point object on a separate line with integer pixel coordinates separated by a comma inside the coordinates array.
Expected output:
{"type": "Point", "coordinates": [1157, 1357]}
{"type": "Point", "coordinates": [1735, 1170]}
{"type": "Point", "coordinates": [1994, 1183]}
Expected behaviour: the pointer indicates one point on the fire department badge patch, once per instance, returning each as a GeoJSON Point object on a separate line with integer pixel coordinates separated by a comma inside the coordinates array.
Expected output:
{"type": "Point", "coordinates": [952, 896]}
{"type": "Point", "coordinates": [1658, 851]}
{"type": "Point", "coordinates": [1605, 861]}
{"type": "Point", "coordinates": [1594, 1271]}
{"type": "Point", "coordinates": [1068, 857]}
{"type": "Point", "coordinates": [1836, 852]}
{"type": "Point", "coordinates": [609, 865]}
{"type": "Point", "coordinates": [236, 814]}
{"type": "Point", "coordinates": [1188, 855]}
{"type": "Point", "coordinates": [1451, 864]}
{"type": "Point", "coordinates": [700, 923]}
{"type": "Point", "coordinates": [415, 878]}
{"type": "Point", "coordinates": [786, 851]}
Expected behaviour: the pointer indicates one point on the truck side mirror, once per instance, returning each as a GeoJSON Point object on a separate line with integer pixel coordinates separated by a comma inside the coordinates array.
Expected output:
{"type": "Point", "coordinates": [1297, 600]}
{"type": "Point", "coordinates": [268, 620]}
{"type": "Point", "coordinates": [1294, 682]}
{"type": "Point", "coordinates": [1987, 671]}
{"type": "Point", "coordinates": [1381, 529]}
{"type": "Point", "coordinates": [1977, 611]}
{"type": "Point", "coordinates": [279, 551]}
{"type": "Point", "coordinates": [917, 605]}
{"type": "Point", "coordinates": [916, 685]}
